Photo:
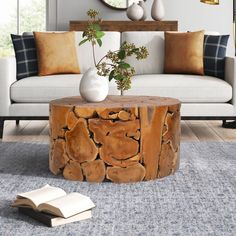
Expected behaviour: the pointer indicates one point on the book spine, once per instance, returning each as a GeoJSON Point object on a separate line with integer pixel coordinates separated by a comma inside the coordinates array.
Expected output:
{"type": "Point", "coordinates": [36, 215]}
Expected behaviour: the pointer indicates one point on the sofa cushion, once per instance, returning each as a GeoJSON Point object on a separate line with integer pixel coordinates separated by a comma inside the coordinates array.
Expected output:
{"type": "Point", "coordinates": [214, 55]}
{"type": "Point", "coordinates": [186, 88]}
{"type": "Point", "coordinates": [184, 52]}
{"type": "Point", "coordinates": [26, 56]}
{"type": "Point", "coordinates": [44, 89]}
{"type": "Point", "coordinates": [154, 41]}
{"type": "Point", "coordinates": [56, 53]}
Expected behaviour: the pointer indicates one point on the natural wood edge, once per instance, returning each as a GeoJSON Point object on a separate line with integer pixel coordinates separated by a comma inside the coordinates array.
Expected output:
{"type": "Point", "coordinates": [129, 174]}
{"type": "Point", "coordinates": [94, 171]}
{"type": "Point", "coordinates": [73, 171]}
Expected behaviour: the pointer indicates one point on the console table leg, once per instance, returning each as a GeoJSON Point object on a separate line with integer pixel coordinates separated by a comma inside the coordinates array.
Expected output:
{"type": "Point", "coordinates": [1, 127]}
{"type": "Point", "coordinates": [17, 122]}
{"type": "Point", "coordinates": [229, 124]}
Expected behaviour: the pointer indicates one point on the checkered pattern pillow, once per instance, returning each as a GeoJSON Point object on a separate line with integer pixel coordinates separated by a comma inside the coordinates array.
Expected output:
{"type": "Point", "coordinates": [26, 56]}
{"type": "Point", "coordinates": [214, 55]}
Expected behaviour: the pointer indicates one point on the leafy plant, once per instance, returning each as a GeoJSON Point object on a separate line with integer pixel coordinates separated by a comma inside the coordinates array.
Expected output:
{"type": "Point", "coordinates": [113, 64]}
{"type": "Point", "coordinates": [93, 32]}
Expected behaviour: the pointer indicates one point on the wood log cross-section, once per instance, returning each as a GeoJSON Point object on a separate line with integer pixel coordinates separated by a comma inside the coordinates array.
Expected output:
{"type": "Point", "coordinates": [122, 139]}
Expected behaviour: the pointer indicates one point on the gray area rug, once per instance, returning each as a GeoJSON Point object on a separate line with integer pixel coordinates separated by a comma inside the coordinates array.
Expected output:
{"type": "Point", "coordinates": [200, 199]}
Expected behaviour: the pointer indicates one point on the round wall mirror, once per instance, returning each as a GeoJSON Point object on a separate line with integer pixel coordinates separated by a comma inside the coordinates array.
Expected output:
{"type": "Point", "coordinates": [119, 4]}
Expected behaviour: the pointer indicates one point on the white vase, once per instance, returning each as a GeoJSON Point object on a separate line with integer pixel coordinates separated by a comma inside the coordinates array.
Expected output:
{"type": "Point", "coordinates": [158, 10]}
{"type": "Point", "coordinates": [93, 88]}
{"type": "Point", "coordinates": [135, 12]}
{"type": "Point", "coordinates": [142, 4]}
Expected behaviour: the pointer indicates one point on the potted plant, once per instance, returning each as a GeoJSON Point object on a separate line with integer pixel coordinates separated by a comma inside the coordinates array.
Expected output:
{"type": "Point", "coordinates": [113, 65]}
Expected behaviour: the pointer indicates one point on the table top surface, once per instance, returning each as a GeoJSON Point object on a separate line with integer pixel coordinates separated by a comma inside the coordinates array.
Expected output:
{"type": "Point", "coordinates": [118, 101]}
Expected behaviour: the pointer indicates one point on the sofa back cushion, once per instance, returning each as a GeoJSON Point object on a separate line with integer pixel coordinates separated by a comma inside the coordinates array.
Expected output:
{"type": "Point", "coordinates": [154, 41]}
{"type": "Point", "coordinates": [111, 41]}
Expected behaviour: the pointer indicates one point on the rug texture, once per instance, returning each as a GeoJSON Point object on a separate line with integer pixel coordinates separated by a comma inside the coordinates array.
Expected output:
{"type": "Point", "coordinates": [200, 199]}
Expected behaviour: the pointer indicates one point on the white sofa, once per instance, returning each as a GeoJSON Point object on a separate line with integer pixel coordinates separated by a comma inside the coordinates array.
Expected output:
{"type": "Point", "coordinates": [202, 97]}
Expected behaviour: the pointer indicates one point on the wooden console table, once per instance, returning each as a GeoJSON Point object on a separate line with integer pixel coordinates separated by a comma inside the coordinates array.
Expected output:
{"type": "Point", "coordinates": [122, 26]}
{"type": "Point", "coordinates": [122, 139]}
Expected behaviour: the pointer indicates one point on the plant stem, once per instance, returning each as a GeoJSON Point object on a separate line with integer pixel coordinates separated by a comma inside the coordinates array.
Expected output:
{"type": "Point", "coordinates": [101, 60]}
{"type": "Point", "coordinates": [105, 57]}
{"type": "Point", "coordinates": [94, 60]}
{"type": "Point", "coordinates": [122, 92]}
{"type": "Point", "coordinates": [109, 64]}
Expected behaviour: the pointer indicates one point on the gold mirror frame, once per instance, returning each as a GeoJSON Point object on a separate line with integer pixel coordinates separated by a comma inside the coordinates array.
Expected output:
{"type": "Point", "coordinates": [114, 7]}
{"type": "Point", "coordinates": [212, 2]}
{"type": "Point", "coordinates": [126, 2]}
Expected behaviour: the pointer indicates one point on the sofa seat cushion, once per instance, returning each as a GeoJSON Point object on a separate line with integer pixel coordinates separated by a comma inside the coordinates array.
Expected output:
{"type": "Point", "coordinates": [44, 89]}
{"type": "Point", "coordinates": [186, 88]}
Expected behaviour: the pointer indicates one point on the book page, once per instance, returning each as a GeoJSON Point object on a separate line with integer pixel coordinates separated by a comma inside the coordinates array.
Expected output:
{"type": "Point", "coordinates": [69, 205]}
{"type": "Point", "coordinates": [81, 216]}
{"type": "Point", "coordinates": [43, 194]}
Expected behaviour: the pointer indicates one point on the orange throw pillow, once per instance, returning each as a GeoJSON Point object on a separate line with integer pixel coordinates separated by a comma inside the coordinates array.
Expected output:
{"type": "Point", "coordinates": [56, 53]}
{"type": "Point", "coordinates": [184, 53]}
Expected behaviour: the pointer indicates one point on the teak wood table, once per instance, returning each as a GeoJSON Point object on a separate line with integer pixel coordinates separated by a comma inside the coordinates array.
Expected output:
{"type": "Point", "coordinates": [122, 139]}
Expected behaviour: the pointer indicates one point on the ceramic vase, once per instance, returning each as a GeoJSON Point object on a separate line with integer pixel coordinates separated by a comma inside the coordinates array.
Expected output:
{"type": "Point", "coordinates": [142, 4]}
{"type": "Point", "coordinates": [158, 10]}
{"type": "Point", "coordinates": [93, 88]}
{"type": "Point", "coordinates": [135, 12]}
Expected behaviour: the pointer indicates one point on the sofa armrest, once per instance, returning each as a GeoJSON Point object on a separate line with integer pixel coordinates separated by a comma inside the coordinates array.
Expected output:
{"type": "Point", "coordinates": [230, 75]}
{"type": "Point", "coordinates": [7, 77]}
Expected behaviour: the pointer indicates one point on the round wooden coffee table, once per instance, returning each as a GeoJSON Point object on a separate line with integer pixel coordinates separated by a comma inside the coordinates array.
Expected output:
{"type": "Point", "coordinates": [122, 139]}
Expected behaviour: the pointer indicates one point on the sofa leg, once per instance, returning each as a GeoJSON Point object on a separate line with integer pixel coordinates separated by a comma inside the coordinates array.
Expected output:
{"type": "Point", "coordinates": [229, 124]}
{"type": "Point", "coordinates": [1, 127]}
{"type": "Point", "coordinates": [17, 122]}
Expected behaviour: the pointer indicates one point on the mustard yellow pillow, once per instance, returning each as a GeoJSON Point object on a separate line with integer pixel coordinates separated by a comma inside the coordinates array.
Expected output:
{"type": "Point", "coordinates": [56, 53]}
{"type": "Point", "coordinates": [184, 53]}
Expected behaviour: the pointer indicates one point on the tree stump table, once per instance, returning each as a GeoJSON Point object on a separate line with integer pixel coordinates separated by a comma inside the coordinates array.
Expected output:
{"type": "Point", "coordinates": [122, 139]}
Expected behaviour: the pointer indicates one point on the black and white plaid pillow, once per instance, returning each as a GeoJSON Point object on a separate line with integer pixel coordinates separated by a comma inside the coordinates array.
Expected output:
{"type": "Point", "coordinates": [214, 55]}
{"type": "Point", "coordinates": [26, 56]}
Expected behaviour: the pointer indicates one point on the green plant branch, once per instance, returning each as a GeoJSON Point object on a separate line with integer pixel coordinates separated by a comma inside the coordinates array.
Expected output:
{"type": "Point", "coordinates": [105, 57]}
{"type": "Point", "coordinates": [94, 59]}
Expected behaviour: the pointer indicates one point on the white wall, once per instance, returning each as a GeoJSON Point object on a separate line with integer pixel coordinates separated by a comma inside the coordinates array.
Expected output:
{"type": "Point", "coordinates": [191, 14]}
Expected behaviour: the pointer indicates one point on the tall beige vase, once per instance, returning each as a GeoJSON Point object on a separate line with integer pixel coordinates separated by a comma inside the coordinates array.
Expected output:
{"type": "Point", "coordinates": [158, 10]}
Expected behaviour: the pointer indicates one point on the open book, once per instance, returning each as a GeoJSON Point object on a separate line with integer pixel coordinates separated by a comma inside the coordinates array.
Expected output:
{"type": "Point", "coordinates": [51, 220]}
{"type": "Point", "coordinates": [55, 201]}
